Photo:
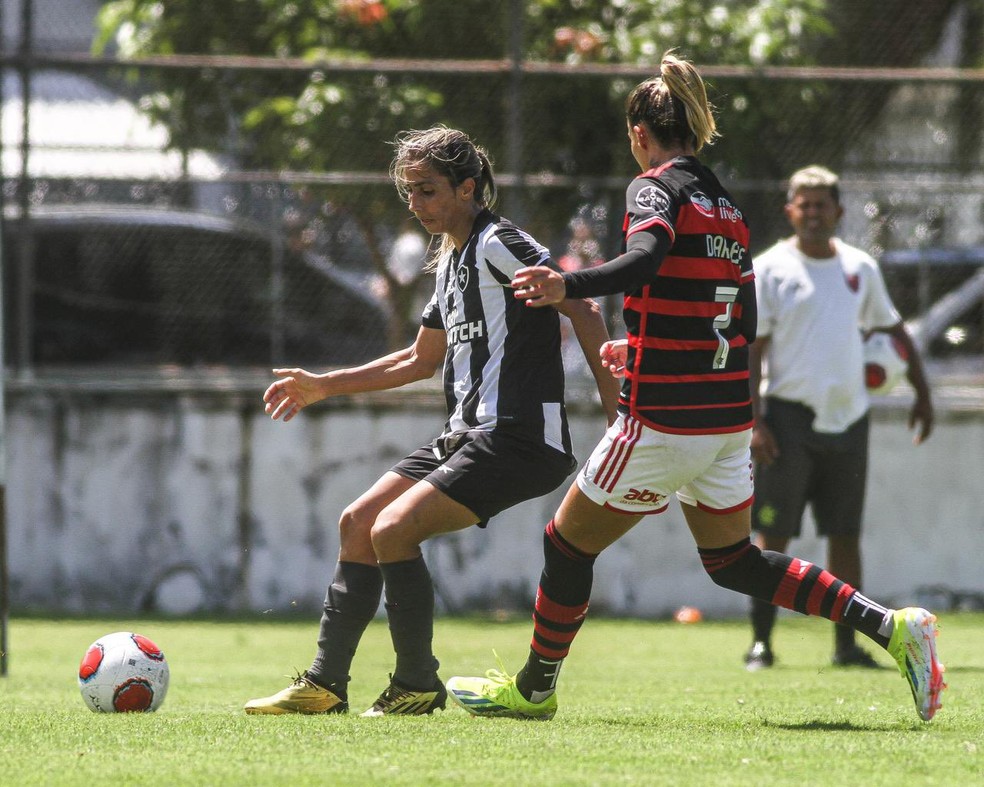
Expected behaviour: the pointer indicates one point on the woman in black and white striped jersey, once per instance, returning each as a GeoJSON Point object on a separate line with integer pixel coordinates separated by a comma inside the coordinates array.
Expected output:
{"type": "Point", "coordinates": [506, 439]}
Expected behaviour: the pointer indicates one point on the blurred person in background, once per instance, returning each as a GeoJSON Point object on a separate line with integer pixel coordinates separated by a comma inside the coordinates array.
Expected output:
{"type": "Point", "coordinates": [817, 298]}
{"type": "Point", "coordinates": [506, 439]}
{"type": "Point", "coordinates": [582, 251]}
{"type": "Point", "coordinates": [685, 414]}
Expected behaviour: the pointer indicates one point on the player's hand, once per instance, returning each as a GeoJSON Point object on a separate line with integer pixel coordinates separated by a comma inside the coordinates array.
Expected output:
{"type": "Point", "coordinates": [765, 449]}
{"type": "Point", "coordinates": [294, 391]}
{"type": "Point", "coordinates": [539, 286]}
{"type": "Point", "coordinates": [921, 414]}
{"type": "Point", "coordinates": [613, 355]}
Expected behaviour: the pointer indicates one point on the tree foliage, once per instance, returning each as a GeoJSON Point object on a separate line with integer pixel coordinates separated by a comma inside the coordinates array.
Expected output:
{"type": "Point", "coordinates": [325, 119]}
{"type": "Point", "coordinates": [328, 119]}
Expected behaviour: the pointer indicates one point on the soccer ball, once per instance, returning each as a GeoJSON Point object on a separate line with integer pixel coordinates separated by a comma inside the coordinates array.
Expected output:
{"type": "Point", "coordinates": [885, 362]}
{"type": "Point", "coordinates": [123, 672]}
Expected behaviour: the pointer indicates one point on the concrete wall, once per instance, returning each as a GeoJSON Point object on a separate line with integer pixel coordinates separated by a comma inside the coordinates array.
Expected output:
{"type": "Point", "coordinates": [184, 500]}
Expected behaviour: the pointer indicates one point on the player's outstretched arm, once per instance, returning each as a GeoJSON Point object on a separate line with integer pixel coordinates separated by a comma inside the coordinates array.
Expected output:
{"type": "Point", "coordinates": [539, 286]}
{"type": "Point", "coordinates": [295, 390]}
{"type": "Point", "coordinates": [298, 388]}
{"type": "Point", "coordinates": [592, 334]}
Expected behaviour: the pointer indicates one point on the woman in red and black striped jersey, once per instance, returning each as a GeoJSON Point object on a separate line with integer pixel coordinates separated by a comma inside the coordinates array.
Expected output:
{"type": "Point", "coordinates": [685, 411]}
{"type": "Point", "coordinates": [506, 439]}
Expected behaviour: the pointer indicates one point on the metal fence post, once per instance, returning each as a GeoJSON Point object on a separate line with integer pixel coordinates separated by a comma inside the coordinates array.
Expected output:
{"type": "Point", "coordinates": [4, 568]}
{"type": "Point", "coordinates": [515, 201]}
{"type": "Point", "coordinates": [25, 257]}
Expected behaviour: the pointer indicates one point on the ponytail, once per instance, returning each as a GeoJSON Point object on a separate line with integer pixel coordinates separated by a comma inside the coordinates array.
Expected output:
{"type": "Point", "coordinates": [674, 105]}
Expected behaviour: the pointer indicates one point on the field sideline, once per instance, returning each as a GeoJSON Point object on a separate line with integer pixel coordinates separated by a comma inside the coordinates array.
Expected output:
{"type": "Point", "coordinates": [648, 703]}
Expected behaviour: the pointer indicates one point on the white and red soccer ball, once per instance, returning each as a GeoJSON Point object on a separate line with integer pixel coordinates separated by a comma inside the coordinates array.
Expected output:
{"type": "Point", "coordinates": [886, 362]}
{"type": "Point", "coordinates": [123, 672]}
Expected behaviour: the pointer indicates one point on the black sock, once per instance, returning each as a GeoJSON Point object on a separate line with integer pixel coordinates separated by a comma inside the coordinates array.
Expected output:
{"type": "Point", "coordinates": [795, 584]}
{"type": "Point", "coordinates": [561, 606]}
{"type": "Point", "coordinates": [763, 617]}
{"type": "Point", "coordinates": [410, 608]}
{"type": "Point", "coordinates": [864, 615]}
{"type": "Point", "coordinates": [350, 604]}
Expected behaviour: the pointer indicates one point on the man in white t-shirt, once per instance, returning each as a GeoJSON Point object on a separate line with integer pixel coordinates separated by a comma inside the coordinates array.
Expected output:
{"type": "Point", "coordinates": [817, 297]}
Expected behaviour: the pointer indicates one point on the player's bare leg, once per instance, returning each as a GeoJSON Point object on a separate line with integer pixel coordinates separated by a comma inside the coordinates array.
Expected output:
{"type": "Point", "coordinates": [588, 526]}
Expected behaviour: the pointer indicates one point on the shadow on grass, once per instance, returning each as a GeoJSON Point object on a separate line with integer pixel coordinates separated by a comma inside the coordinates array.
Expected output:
{"type": "Point", "coordinates": [832, 726]}
{"type": "Point", "coordinates": [802, 726]}
{"type": "Point", "coordinates": [834, 668]}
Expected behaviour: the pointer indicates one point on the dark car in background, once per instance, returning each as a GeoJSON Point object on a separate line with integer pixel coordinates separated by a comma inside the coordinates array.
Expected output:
{"type": "Point", "coordinates": [940, 293]}
{"type": "Point", "coordinates": [153, 286]}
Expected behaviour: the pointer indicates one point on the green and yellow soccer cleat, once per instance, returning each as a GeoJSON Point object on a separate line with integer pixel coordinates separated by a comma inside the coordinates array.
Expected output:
{"type": "Point", "coordinates": [497, 695]}
{"type": "Point", "coordinates": [913, 646]}
{"type": "Point", "coordinates": [399, 701]}
{"type": "Point", "coordinates": [301, 696]}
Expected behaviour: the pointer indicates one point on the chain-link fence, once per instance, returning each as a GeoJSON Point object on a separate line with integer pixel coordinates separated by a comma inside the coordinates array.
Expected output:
{"type": "Point", "coordinates": [196, 195]}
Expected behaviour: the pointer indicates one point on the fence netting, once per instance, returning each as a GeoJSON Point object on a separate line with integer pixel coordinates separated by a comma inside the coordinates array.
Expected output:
{"type": "Point", "coordinates": [206, 183]}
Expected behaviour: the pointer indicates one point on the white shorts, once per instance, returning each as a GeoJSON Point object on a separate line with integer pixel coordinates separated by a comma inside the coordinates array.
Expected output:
{"type": "Point", "coordinates": [634, 469]}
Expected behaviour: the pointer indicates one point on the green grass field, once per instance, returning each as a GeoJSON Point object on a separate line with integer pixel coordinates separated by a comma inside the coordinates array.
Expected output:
{"type": "Point", "coordinates": [647, 703]}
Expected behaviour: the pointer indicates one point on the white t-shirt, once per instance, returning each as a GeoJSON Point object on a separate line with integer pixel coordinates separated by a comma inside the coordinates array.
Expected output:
{"type": "Point", "coordinates": [814, 310]}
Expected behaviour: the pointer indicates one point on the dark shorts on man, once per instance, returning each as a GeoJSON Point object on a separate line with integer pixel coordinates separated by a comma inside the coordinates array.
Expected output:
{"type": "Point", "coordinates": [488, 471]}
{"type": "Point", "coordinates": [828, 471]}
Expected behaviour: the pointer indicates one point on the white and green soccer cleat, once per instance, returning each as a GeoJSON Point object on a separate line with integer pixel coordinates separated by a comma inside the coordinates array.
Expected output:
{"type": "Point", "coordinates": [913, 646]}
{"type": "Point", "coordinates": [497, 695]}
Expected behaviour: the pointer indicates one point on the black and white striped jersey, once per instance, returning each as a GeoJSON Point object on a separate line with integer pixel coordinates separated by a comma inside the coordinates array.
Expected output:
{"type": "Point", "coordinates": [503, 367]}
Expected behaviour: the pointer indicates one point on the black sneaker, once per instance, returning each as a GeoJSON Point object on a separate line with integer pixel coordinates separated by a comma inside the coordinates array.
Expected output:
{"type": "Point", "coordinates": [759, 657]}
{"type": "Point", "coordinates": [854, 657]}
{"type": "Point", "coordinates": [399, 701]}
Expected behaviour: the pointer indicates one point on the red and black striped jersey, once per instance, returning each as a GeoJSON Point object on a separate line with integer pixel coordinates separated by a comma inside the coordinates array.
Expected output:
{"type": "Point", "coordinates": [687, 366]}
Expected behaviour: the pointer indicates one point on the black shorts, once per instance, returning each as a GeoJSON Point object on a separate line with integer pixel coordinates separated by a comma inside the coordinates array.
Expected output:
{"type": "Point", "coordinates": [488, 471]}
{"type": "Point", "coordinates": [828, 471]}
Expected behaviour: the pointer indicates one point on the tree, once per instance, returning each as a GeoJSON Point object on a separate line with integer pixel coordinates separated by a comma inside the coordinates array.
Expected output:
{"type": "Point", "coordinates": [326, 120]}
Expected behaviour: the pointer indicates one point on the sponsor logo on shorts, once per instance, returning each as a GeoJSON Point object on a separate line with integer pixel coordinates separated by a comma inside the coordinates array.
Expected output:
{"type": "Point", "coordinates": [643, 497]}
